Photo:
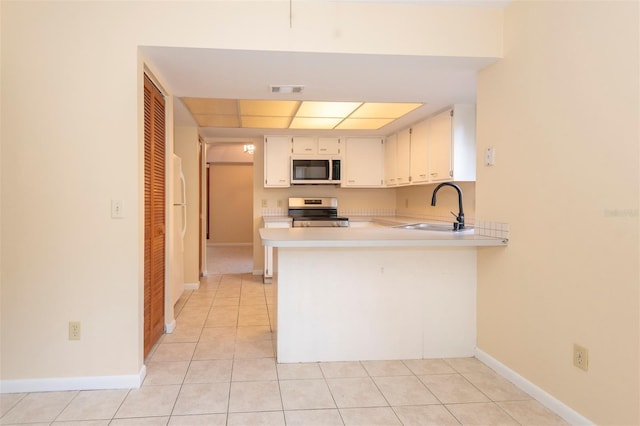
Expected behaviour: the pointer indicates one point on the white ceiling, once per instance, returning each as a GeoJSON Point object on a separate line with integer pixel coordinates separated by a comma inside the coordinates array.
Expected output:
{"type": "Point", "coordinates": [437, 81]}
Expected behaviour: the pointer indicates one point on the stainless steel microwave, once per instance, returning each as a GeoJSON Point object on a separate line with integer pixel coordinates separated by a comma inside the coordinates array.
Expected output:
{"type": "Point", "coordinates": [315, 170]}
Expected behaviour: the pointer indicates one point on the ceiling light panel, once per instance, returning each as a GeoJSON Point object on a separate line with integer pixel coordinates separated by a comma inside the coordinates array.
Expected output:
{"type": "Point", "coordinates": [217, 120]}
{"type": "Point", "coordinates": [211, 106]}
{"type": "Point", "coordinates": [326, 109]}
{"type": "Point", "coordinates": [268, 108]}
{"type": "Point", "coordinates": [314, 123]}
{"type": "Point", "coordinates": [384, 110]}
{"type": "Point", "coordinates": [363, 123]}
{"type": "Point", "coordinates": [255, 122]}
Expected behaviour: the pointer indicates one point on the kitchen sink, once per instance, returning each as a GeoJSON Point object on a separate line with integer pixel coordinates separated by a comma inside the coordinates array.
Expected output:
{"type": "Point", "coordinates": [424, 226]}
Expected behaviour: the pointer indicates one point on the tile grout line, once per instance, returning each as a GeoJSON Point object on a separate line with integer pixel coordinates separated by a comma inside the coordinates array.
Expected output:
{"type": "Point", "coordinates": [331, 393]}
{"type": "Point", "coordinates": [372, 378]}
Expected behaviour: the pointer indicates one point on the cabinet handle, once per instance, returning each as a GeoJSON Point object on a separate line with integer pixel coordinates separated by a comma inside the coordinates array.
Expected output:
{"type": "Point", "coordinates": [434, 174]}
{"type": "Point", "coordinates": [307, 149]}
{"type": "Point", "coordinates": [423, 176]}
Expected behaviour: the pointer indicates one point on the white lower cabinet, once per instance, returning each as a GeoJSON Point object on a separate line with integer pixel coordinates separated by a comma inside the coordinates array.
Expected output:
{"type": "Point", "coordinates": [267, 276]}
{"type": "Point", "coordinates": [368, 303]}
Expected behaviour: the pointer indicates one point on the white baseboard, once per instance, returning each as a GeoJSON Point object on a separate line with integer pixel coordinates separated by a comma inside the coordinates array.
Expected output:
{"type": "Point", "coordinates": [192, 286]}
{"type": "Point", "coordinates": [169, 327]}
{"type": "Point", "coordinates": [545, 398]}
{"type": "Point", "coordinates": [131, 381]}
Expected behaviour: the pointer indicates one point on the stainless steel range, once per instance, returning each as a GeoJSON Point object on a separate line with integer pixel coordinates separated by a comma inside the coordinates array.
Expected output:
{"type": "Point", "coordinates": [316, 212]}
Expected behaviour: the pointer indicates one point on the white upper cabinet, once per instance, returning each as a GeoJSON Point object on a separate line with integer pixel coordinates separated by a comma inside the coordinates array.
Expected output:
{"type": "Point", "coordinates": [277, 161]}
{"type": "Point", "coordinates": [329, 146]}
{"type": "Point", "coordinates": [305, 145]}
{"type": "Point", "coordinates": [440, 166]}
{"type": "Point", "coordinates": [311, 145]}
{"type": "Point", "coordinates": [419, 151]}
{"type": "Point", "coordinates": [403, 157]}
{"type": "Point", "coordinates": [452, 145]}
{"type": "Point", "coordinates": [363, 162]}
{"type": "Point", "coordinates": [390, 155]}
{"type": "Point", "coordinates": [438, 149]}
{"type": "Point", "coordinates": [463, 154]}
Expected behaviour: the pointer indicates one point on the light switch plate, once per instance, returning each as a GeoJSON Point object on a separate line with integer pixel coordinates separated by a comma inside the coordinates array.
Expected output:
{"type": "Point", "coordinates": [116, 209]}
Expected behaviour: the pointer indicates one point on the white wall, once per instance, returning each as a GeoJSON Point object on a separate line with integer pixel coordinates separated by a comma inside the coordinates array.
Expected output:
{"type": "Point", "coordinates": [71, 141]}
{"type": "Point", "coordinates": [228, 152]}
{"type": "Point", "coordinates": [561, 110]}
{"type": "Point", "coordinates": [230, 203]}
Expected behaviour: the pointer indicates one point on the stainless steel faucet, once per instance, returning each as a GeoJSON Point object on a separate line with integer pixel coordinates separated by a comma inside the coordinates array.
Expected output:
{"type": "Point", "coordinates": [458, 225]}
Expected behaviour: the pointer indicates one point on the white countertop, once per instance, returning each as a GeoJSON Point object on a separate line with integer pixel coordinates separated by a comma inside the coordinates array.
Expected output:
{"type": "Point", "coordinates": [375, 236]}
{"type": "Point", "coordinates": [268, 219]}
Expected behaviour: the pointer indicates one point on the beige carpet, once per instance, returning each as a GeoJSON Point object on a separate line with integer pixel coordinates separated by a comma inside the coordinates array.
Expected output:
{"type": "Point", "coordinates": [229, 259]}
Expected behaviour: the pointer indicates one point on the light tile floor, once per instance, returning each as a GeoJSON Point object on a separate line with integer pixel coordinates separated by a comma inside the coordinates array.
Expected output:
{"type": "Point", "coordinates": [219, 368]}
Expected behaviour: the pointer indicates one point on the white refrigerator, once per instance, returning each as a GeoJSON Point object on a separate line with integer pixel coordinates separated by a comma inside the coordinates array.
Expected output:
{"type": "Point", "coordinates": [178, 227]}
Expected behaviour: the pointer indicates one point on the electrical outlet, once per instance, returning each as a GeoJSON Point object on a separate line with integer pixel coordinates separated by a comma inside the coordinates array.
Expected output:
{"type": "Point", "coordinates": [74, 330]}
{"type": "Point", "coordinates": [580, 357]}
{"type": "Point", "coordinates": [490, 156]}
{"type": "Point", "coordinates": [406, 203]}
{"type": "Point", "coordinates": [280, 203]}
{"type": "Point", "coordinates": [264, 203]}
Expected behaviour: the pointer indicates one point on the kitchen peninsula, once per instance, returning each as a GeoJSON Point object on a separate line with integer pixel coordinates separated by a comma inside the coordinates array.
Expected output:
{"type": "Point", "coordinates": [374, 293]}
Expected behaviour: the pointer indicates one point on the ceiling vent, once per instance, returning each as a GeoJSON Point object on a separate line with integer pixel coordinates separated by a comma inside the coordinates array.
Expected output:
{"type": "Point", "coordinates": [286, 89]}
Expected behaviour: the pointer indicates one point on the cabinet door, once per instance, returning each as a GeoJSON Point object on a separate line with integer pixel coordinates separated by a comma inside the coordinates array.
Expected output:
{"type": "Point", "coordinates": [364, 163]}
{"type": "Point", "coordinates": [277, 154]}
{"type": "Point", "coordinates": [305, 145]}
{"type": "Point", "coordinates": [329, 146]}
{"type": "Point", "coordinates": [419, 152]}
{"type": "Point", "coordinates": [268, 251]}
{"type": "Point", "coordinates": [403, 161]}
{"type": "Point", "coordinates": [440, 147]}
{"type": "Point", "coordinates": [463, 142]}
{"type": "Point", "coordinates": [390, 156]}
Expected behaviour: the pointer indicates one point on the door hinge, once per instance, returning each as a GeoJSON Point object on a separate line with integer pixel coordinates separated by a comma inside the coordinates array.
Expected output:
{"type": "Point", "coordinates": [451, 113]}
{"type": "Point", "coordinates": [450, 173]}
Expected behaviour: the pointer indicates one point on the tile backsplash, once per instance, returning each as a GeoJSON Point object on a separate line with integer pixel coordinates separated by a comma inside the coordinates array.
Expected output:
{"type": "Point", "coordinates": [492, 229]}
{"type": "Point", "coordinates": [274, 212]}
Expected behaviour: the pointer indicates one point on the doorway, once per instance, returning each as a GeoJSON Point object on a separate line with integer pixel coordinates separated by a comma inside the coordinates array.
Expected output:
{"type": "Point", "coordinates": [230, 248]}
